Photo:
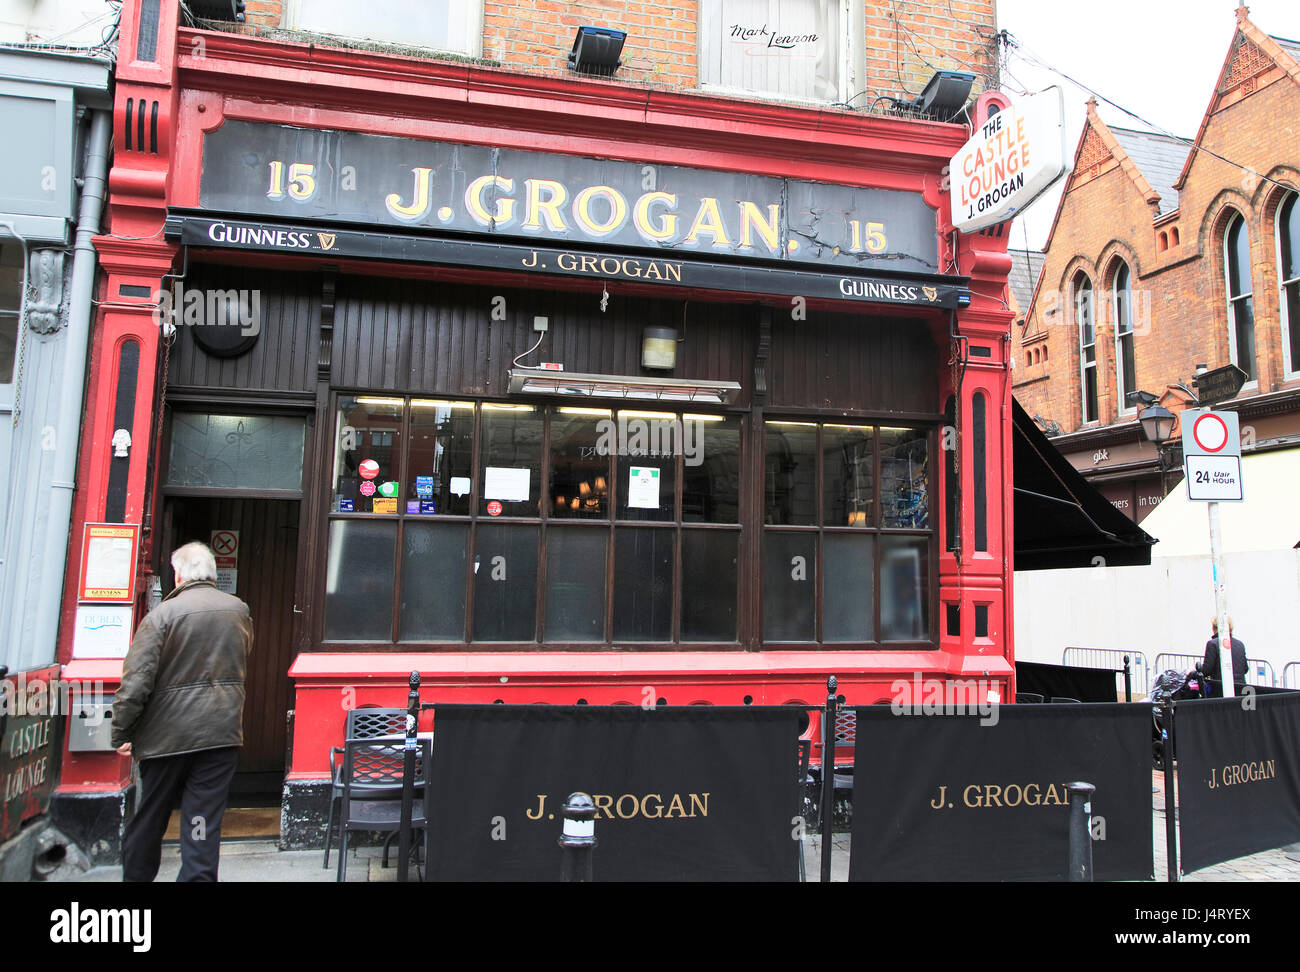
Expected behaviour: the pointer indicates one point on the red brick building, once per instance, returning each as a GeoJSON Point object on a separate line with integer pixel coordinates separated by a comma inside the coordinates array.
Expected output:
{"type": "Point", "coordinates": [1165, 259]}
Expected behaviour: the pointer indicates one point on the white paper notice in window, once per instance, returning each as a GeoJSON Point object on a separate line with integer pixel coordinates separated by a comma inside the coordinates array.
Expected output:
{"type": "Point", "coordinates": [506, 483]}
{"type": "Point", "coordinates": [777, 47]}
{"type": "Point", "coordinates": [643, 488]}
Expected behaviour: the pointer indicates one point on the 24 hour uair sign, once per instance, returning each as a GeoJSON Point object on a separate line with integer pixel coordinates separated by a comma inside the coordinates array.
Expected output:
{"type": "Point", "coordinates": [309, 175]}
{"type": "Point", "coordinates": [1008, 162]}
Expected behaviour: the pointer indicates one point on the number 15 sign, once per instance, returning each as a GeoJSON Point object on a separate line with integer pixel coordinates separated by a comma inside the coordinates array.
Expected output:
{"type": "Point", "coordinates": [1212, 456]}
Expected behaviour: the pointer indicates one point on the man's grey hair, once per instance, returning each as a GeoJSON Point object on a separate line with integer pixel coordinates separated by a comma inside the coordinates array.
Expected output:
{"type": "Point", "coordinates": [195, 562]}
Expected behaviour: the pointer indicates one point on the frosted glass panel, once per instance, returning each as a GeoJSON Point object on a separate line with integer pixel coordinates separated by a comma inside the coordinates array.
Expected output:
{"type": "Point", "coordinates": [236, 451]}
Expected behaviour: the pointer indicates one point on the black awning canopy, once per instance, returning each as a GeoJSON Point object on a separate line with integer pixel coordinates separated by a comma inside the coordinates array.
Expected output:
{"type": "Point", "coordinates": [1061, 520]}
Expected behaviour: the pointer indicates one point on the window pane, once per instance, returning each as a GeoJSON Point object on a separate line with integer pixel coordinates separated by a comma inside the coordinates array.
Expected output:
{"type": "Point", "coordinates": [367, 453]}
{"type": "Point", "coordinates": [442, 456]}
{"type": "Point", "coordinates": [710, 470]}
{"type": "Point", "coordinates": [904, 479]}
{"type": "Point", "coordinates": [359, 580]}
{"type": "Point", "coordinates": [575, 583]}
{"type": "Point", "coordinates": [236, 451]}
{"type": "Point", "coordinates": [441, 26]}
{"type": "Point", "coordinates": [1288, 231]}
{"type": "Point", "coordinates": [1243, 314]}
{"type": "Point", "coordinates": [648, 443]}
{"type": "Point", "coordinates": [505, 582]}
{"type": "Point", "coordinates": [581, 440]}
{"type": "Point", "coordinates": [904, 589]}
{"type": "Point", "coordinates": [11, 296]}
{"type": "Point", "coordinates": [791, 474]}
{"type": "Point", "coordinates": [1238, 259]}
{"type": "Point", "coordinates": [643, 584]}
{"type": "Point", "coordinates": [848, 594]}
{"type": "Point", "coordinates": [1293, 322]}
{"type": "Point", "coordinates": [433, 581]}
{"type": "Point", "coordinates": [511, 460]}
{"type": "Point", "coordinates": [709, 585]}
{"type": "Point", "coordinates": [1130, 367]}
{"type": "Point", "coordinates": [789, 586]}
{"type": "Point", "coordinates": [848, 476]}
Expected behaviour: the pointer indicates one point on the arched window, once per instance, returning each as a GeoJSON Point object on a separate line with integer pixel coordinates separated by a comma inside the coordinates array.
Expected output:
{"type": "Point", "coordinates": [1288, 275]}
{"type": "Point", "coordinates": [1241, 307]}
{"type": "Point", "coordinates": [1125, 379]}
{"type": "Point", "coordinates": [1087, 345]}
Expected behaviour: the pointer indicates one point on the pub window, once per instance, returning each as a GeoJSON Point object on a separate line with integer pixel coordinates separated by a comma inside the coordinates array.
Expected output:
{"type": "Point", "coordinates": [1288, 245]}
{"type": "Point", "coordinates": [249, 452]}
{"type": "Point", "coordinates": [1241, 306]}
{"type": "Point", "coordinates": [499, 522]}
{"type": "Point", "coordinates": [794, 49]}
{"type": "Point", "coordinates": [847, 535]}
{"type": "Point", "coordinates": [1125, 370]}
{"type": "Point", "coordinates": [455, 26]}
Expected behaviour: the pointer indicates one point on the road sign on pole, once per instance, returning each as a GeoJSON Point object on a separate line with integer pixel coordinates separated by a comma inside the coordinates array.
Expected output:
{"type": "Point", "coordinates": [1212, 461]}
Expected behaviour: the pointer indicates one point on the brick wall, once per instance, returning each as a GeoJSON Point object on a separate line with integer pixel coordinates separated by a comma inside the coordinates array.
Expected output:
{"type": "Point", "coordinates": [1179, 290]}
{"type": "Point", "coordinates": [905, 41]}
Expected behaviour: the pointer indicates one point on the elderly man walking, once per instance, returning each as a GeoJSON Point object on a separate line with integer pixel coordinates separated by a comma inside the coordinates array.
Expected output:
{"type": "Point", "coordinates": [179, 712]}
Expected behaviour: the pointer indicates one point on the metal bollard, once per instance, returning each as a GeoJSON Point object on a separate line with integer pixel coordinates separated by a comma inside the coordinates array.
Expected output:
{"type": "Point", "coordinates": [828, 776]}
{"type": "Point", "coordinates": [578, 838]}
{"type": "Point", "coordinates": [1171, 803]}
{"type": "Point", "coordinates": [1128, 681]}
{"type": "Point", "coordinates": [408, 776]}
{"type": "Point", "coordinates": [1079, 865]}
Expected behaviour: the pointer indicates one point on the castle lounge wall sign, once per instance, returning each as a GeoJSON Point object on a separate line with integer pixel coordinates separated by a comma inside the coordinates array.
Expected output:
{"type": "Point", "coordinates": [205, 230]}
{"type": "Point", "coordinates": [305, 175]}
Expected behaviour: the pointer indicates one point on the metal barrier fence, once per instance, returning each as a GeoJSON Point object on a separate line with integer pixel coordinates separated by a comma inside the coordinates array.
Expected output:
{"type": "Point", "coordinates": [1291, 675]}
{"type": "Point", "coordinates": [1259, 671]}
{"type": "Point", "coordinates": [1139, 673]}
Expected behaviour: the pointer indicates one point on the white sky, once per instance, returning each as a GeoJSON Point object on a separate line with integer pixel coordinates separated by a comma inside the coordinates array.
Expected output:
{"type": "Point", "coordinates": [1158, 58]}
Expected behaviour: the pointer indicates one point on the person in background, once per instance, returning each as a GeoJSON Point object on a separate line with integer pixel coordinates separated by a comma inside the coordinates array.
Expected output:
{"type": "Point", "coordinates": [1210, 666]}
{"type": "Point", "coordinates": [180, 713]}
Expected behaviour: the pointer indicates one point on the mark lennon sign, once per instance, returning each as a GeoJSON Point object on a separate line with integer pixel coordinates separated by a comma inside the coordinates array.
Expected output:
{"type": "Point", "coordinates": [304, 175]}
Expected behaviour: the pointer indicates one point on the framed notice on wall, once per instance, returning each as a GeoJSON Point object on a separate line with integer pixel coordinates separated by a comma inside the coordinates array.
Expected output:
{"type": "Point", "coordinates": [108, 554]}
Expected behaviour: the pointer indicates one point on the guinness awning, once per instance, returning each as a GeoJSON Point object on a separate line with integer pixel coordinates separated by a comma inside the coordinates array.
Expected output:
{"type": "Point", "coordinates": [1060, 519]}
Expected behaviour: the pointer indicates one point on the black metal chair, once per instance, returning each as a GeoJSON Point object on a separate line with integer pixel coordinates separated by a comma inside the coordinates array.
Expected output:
{"type": "Point", "coordinates": [1023, 698]}
{"type": "Point", "coordinates": [369, 764]}
{"type": "Point", "coordinates": [805, 756]}
{"type": "Point", "coordinates": [1056, 700]}
{"type": "Point", "coordinates": [362, 724]}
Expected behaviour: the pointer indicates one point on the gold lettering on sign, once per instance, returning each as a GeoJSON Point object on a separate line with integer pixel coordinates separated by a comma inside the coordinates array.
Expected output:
{"type": "Point", "coordinates": [419, 204]}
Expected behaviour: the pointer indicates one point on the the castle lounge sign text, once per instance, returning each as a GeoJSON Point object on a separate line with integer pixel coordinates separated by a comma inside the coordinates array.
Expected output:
{"type": "Point", "coordinates": [303, 175]}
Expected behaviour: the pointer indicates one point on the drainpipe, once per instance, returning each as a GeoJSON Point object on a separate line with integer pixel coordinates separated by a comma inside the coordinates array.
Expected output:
{"type": "Point", "coordinates": [53, 562]}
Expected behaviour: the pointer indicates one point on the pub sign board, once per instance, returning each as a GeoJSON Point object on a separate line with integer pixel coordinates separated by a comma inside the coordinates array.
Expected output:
{"type": "Point", "coordinates": [682, 793]}
{"type": "Point", "coordinates": [339, 177]}
{"type": "Point", "coordinates": [30, 717]}
{"type": "Point", "coordinates": [961, 797]}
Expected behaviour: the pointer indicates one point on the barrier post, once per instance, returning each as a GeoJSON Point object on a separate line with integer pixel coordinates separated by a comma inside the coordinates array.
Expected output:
{"type": "Point", "coordinates": [578, 839]}
{"type": "Point", "coordinates": [828, 776]}
{"type": "Point", "coordinates": [408, 776]}
{"type": "Point", "coordinates": [1128, 681]}
{"type": "Point", "coordinates": [1171, 806]}
{"type": "Point", "coordinates": [1079, 864]}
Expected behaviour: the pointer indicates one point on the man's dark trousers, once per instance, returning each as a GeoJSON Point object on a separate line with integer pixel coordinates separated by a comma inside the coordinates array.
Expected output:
{"type": "Point", "coordinates": [200, 782]}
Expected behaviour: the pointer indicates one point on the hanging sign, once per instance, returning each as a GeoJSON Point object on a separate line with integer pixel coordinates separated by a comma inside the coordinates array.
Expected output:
{"type": "Point", "coordinates": [1009, 162]}
{"type": "Point", "coordinates": [108, 554]}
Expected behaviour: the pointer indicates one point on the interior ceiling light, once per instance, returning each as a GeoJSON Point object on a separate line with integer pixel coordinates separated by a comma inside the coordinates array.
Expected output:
{"type": "Point", "coordinates": [533, 381]}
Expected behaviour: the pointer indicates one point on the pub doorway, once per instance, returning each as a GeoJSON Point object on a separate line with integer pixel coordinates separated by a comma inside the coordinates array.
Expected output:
{"type": "Point", "coordinates": [260, 538]}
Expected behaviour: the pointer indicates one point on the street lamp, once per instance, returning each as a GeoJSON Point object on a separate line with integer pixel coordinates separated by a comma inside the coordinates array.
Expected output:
{"type": "Point", "coordinates": [1158, 426]}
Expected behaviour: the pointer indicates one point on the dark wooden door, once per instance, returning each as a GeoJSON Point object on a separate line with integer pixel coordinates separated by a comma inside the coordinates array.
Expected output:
{"type": "Point", "coordinates": [268, 549]}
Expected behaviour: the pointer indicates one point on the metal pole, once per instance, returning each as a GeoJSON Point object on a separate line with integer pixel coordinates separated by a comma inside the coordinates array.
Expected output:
{"type": "Point", "coordinates": [1128, 681]}
{"type": "Point", "coordinates": [1221, 606]}
{"type": "Point", "coordinates": [1079, 863]}
{"type": "Point", "coordinates": [578, 839]}
{"type": "Point", "coordinates": [828, 777]}
{"type": "Point", "coordinates": [1171, 805]}
{"type": "Point", "coordinates": [408, 776]}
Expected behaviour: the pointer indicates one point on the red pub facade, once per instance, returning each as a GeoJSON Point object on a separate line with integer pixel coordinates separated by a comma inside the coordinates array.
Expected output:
{"type": "Point", "coordinates": [550, 388]}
